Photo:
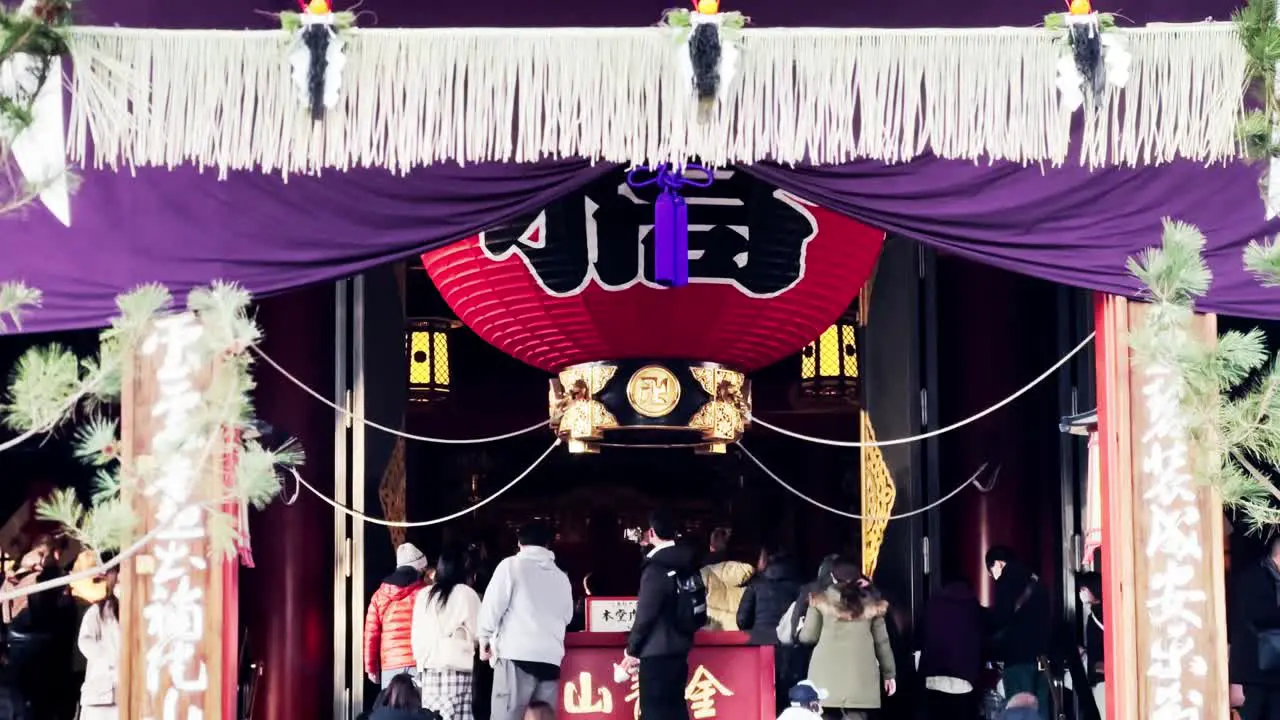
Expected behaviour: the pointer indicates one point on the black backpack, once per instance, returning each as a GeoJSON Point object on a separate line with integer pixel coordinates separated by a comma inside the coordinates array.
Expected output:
{"type": "Point", "coordinates": [691, 602]}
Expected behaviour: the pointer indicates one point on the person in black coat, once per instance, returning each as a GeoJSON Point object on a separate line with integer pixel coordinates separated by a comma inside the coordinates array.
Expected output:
{"type": "Point", "coordinates": [768, 595]}
{"type": "Point", "coordinates": [765, 601]}
{"type": "Point", "coordinates": [1020, 625]}
{"type": "Point", "coordinates": [1254, 618]}
{"type": "Point", "coordinates": [657, 646]}
{"type": "Point", "coordinates": [950, 639]}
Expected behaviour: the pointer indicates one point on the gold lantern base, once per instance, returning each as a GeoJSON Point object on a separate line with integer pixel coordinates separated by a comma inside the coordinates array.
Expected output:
{"type": "Point", "coordinates": [650, 404]}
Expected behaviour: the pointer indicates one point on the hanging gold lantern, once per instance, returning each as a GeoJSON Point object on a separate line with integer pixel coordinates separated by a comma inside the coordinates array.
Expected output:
{"type": "Point", "coordinates": [829, 364]}
{"type": "Point", "coordinates": [427, 349]}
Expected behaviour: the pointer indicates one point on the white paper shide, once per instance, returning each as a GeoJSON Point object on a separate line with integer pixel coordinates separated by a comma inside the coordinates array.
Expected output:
{"type": "Point", "coordinates": [175, 611]}
{"type": "Point", "coordinates": [1177, 601]}
{"type": "Point", "coordinates": [1094, 60]}
{"type": "Point", "coordinates": [317, 60]}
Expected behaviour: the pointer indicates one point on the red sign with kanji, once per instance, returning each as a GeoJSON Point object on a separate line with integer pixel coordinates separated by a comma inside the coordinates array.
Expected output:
{"type": "Point", "coordinates": [727, 679]}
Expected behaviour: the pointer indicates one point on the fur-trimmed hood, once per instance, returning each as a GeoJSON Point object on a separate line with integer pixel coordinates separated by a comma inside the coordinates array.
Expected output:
{"type": "Point", "coordinates": [863, 603]}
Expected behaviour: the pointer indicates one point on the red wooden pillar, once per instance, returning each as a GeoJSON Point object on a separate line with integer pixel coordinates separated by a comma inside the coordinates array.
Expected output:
{"type": "Point", "coordinates": [286, 599]}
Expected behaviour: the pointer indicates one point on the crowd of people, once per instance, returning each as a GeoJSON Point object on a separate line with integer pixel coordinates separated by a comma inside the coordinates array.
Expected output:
{"type": "Point", "coordinates": [430, 636]}
{"type": "Point", "coordinates": [438, 649]}
{"type": "Point", "coordinates": [61, 647]}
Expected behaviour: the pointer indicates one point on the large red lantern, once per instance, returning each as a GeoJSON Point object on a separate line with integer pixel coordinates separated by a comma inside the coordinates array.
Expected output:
{"type": "Point", "coordinates": [571, 291]}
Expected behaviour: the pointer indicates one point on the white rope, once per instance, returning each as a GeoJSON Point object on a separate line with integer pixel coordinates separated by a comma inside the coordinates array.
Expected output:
{"type": "Point", "coordinates": [414, 97]}
{"type": "Point", "coordinates": [973, 480]}
{"type": "Point", "coordinates": [86, 574]}
{"type": "Point", "coordinates": [932, 433]}
{"type": "Point", "coordinates": [389, 430]}
{"type": "Point", "coordinates": [423, 523]}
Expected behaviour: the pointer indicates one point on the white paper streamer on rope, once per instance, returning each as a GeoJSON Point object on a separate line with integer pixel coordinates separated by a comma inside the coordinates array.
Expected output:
{"type": "Point", "coordinates": [335, 60]}
{"type": "Point", "coordinates": [1116, 61]}
{"type": "Point", "coordinates": [726, 67]}
{"type": "Point", "coordinates": [40, 148]}
{"type": "Point", "coordinates": [165, 97]}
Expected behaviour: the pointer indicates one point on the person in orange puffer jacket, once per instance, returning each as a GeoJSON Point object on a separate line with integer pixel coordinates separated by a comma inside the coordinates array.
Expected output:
{"type": "Point", "coordinates": [388, 650]}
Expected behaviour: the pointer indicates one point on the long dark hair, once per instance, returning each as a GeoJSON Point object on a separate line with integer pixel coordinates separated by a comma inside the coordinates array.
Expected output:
{"type": "Point", "coordinates": [450, 573]}
{"type": "Point", "coordinates": [109, 606]}
{"type": "Point", "coordinates": [401, 694]}
{"type": "Point", "coordinates": [858, 597]}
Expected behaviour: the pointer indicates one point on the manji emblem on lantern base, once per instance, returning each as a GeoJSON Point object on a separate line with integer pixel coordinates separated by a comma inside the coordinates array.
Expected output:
{"type": "Point", "coordinates": [642, 403]}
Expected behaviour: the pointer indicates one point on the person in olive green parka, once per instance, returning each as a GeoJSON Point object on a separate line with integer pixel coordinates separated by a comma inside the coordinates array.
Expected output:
{"type": "Point", "coordinates": [852, 658]}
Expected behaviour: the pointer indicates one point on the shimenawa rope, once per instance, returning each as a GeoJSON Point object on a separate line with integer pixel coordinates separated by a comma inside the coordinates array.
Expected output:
{"type": "Point", "coordinates": [389, 430]}
{"type": "Point", "coordinates": [421, 523]}
{"type": "Point", "coordinates": [973, 480]}
{"type": "Point", "coordinates": [939, 431]}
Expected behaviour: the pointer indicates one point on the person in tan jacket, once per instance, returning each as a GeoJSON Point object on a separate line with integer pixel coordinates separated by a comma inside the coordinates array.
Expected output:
{"type": "Point", "coordinates": [852, 657]}
{"type": "Point", "coordinates": [726, 582]}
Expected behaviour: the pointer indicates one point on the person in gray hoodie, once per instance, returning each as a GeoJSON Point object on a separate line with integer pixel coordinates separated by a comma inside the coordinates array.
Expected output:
{"type": "Point", "coordinates": [526, 608]}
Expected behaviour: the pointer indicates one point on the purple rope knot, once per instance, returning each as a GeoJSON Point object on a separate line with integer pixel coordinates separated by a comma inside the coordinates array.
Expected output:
{"type": "Point", "coordinates": [670, 220]}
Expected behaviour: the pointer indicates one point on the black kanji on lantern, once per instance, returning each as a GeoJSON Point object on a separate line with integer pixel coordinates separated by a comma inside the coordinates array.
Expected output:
{"type": "Point", "coordinates": [741, 232]}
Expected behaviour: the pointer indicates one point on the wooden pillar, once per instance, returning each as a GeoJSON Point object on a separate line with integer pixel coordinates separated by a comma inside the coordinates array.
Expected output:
{"type": "Point", "coordinates": [178, 649]}
{"type": "Point", "coordinates": [1162, 541]}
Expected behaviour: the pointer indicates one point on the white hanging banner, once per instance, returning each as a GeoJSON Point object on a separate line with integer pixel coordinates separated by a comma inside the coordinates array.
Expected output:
{"type": "Point", "coordinates": [1093, 501]}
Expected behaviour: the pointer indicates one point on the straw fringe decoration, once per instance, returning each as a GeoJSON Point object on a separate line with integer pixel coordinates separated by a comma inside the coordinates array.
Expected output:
{"type": "Point", "coordinates": [224, 99]}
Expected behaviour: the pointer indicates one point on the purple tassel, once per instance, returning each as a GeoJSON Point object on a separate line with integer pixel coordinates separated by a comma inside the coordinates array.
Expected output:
{"type": "Point", "coordinates": [670, 222]}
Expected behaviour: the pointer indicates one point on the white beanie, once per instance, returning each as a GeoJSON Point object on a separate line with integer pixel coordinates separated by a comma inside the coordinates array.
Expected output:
{"type": "Point", "coordinates": [408, 555]}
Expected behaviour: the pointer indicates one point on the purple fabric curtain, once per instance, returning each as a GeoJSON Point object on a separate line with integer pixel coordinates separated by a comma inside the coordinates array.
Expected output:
{"type": "Point", "coordinates": [184, 228]}
{"type": "Point", "coordinates": [1068, 225]}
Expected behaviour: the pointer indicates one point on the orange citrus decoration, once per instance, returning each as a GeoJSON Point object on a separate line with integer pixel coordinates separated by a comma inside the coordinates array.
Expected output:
{"type": "Point", "coordinates": [321, 7]}
{"type": "Point", "coordinates": [708, 7]}
{"type": "Point", "coordinates": [1080, 7]}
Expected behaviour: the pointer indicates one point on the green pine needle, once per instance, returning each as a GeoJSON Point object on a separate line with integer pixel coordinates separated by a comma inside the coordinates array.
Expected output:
{"type": "Point", "coordinates": [1237, 355]}
{"type": "Point", "coordinates": [1262, 259]}
{"type": "Point", "coordinates": [1175, 274]}
{"type": "Point", "coordinates": [223, 309]}
{"type": "Point", "coordinates": [138, 308]}
{"type": "Point", "coordinates": [106, 486]}
{"type": "Point", "coordinates": [108, 526]}
{"type": "Point", "coordinates": [96, 442]}
{"type": "Point", "coordinates": [678, 18]}
{"type": "Point", "coordinates": [15, 299]}
{"type": "Point", "coordinates": [257, 471]}
{"type": "Point", "coordinates": [104, 375]}
{"type": "Point", "coordinates": [224, 535]}
{"type": "Point", "coordinates": [44, 383]}
{"type": "Point", "coordinates": [61, 507]}
{"type": "Point", "coordinates": [1231, 393]}
{"type": "Point", "coordinates": [47, 383]}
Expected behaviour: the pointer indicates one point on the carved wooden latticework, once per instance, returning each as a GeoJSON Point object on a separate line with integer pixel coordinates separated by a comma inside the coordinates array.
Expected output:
{"type": "Point", "coordinates": [878, 495]}
{"type": "Point", "coordinates": [391, 491]}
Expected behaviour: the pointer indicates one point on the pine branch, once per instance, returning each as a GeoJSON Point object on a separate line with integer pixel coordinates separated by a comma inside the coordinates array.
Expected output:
{"type": "Point", "coordinates": [15, 299]}
{"type": "Point", "coordinates": [1234, 433]}
{"type": "Point", "coordinates": [1262, 259]}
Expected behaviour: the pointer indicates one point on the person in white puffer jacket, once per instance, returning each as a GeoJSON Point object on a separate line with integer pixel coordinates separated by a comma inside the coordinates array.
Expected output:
{"type": "Point", "coordinates": [443, 637]}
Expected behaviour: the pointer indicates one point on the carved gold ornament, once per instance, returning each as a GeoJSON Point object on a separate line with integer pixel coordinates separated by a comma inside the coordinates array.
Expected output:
{"type": "Point", "coordinates": [575, 413]}
{"type": "Point", "coordinates": [878, 495]}
{"type": "Point", "coordinates": [653, 391]}
{"type": "Point", "coordinates": [724, 416]}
